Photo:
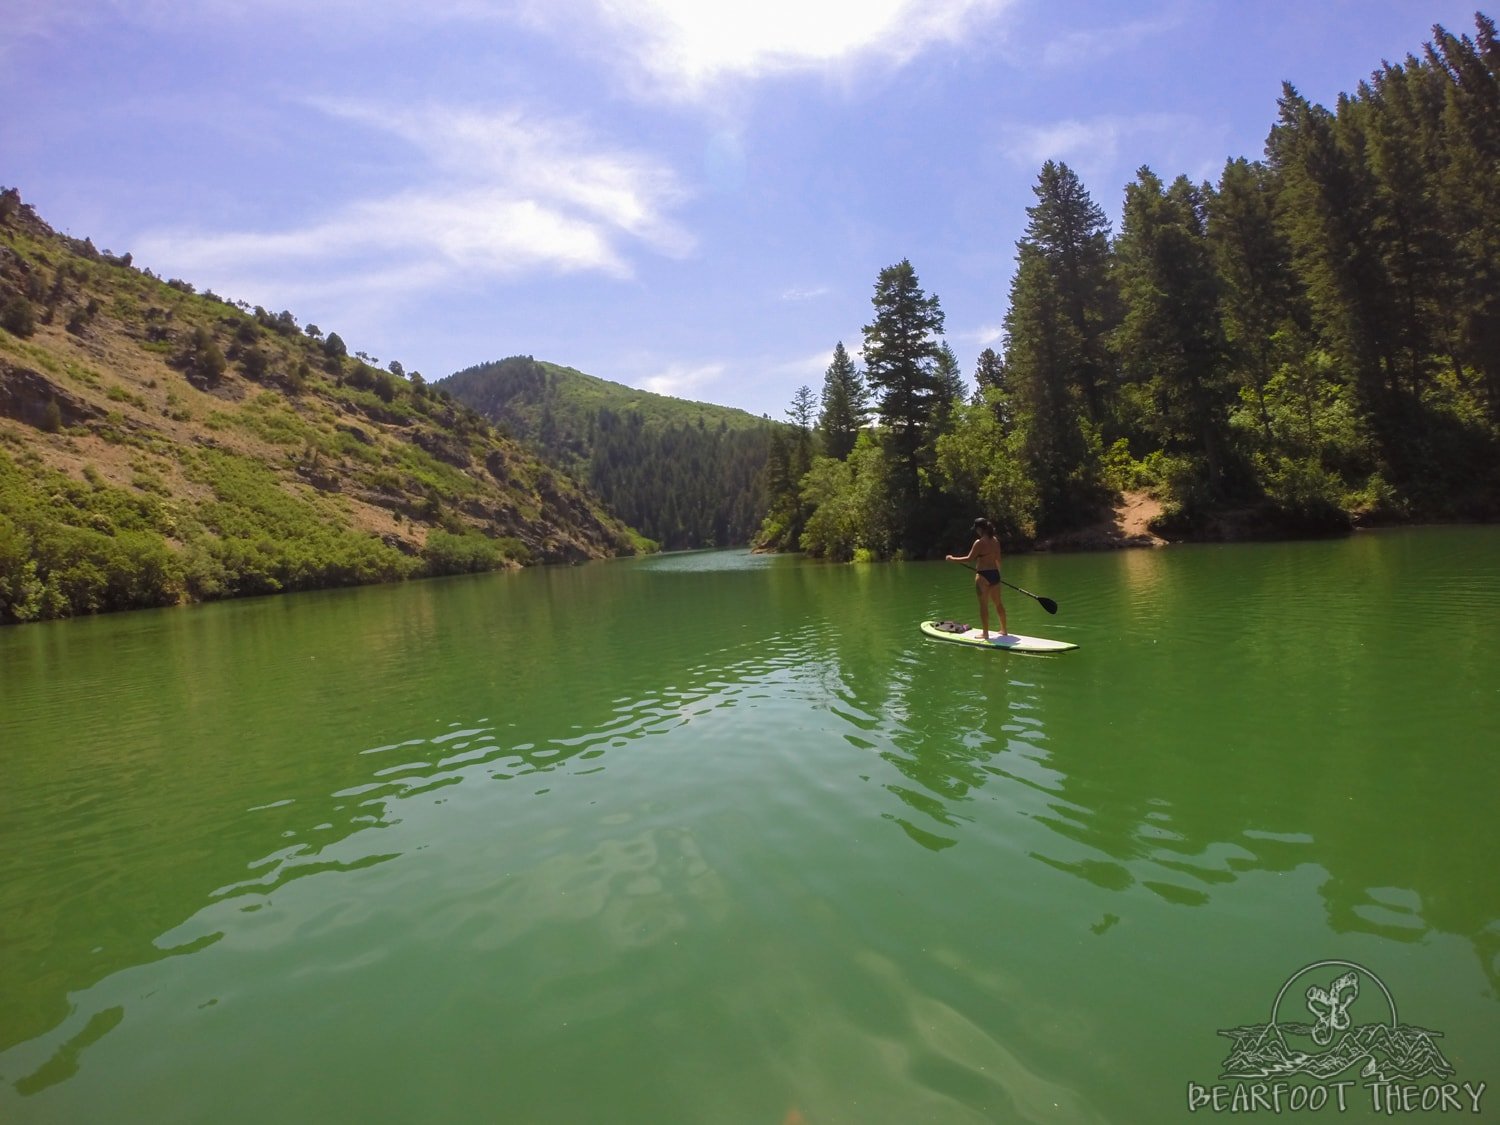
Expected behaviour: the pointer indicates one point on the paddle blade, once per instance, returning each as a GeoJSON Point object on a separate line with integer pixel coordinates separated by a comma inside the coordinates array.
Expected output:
{"type": "Point", "coordinates": [1048, 604]}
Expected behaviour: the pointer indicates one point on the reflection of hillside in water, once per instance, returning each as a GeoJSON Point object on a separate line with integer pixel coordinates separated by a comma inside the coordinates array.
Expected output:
{"type": "Point", "coordinates": [213, 787]}
{"type": "Point", "coordinates": [264, 743]}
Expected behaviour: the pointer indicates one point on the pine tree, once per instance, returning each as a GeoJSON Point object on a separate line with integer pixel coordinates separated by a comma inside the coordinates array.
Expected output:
{"type": "Point", "coordinates": [801, 410]}
{"type": "Point", "coordinates": [989, 373]}
{"type": "Point", "coordinates": [1324, 210]}
{"type": "Point", "coordinates": [845, 405]}
{"type": "Point", "coordinates": [789, 458]}
{"type": "Point", "coordinates": [1260, 301]}
{"type": "Point", "coordinates": [1469, 190]}
{"type": "Point", "coordinates": [1385, 137]}
{"type": "Point", "coordinates": [992, 385]}
{"type": "Point", "coordinates": [1042, 349]}
{"type": "Point", "coordinates": [900, 350]}
{"type": "Point", "coordinates": [1170, 338]}
{"type": "Point", "coordinates": [1060, 387]}
{"type": "Point", "coordinates": [801, 452]}
{"type": "Point", "coordinates": [1072, 233]}
{"type": "Point", "coordinates": [950, 390]}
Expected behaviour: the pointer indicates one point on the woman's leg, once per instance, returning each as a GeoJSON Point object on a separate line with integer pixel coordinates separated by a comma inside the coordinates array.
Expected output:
{"type": "Point", "coordinates": [984, 604]}
{"type": "Point", "coordinates": [994, 592]}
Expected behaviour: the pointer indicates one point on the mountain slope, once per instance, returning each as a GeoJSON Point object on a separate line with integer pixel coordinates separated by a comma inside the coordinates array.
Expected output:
{"type": "Point", "coordinates": [688, 474]}
{"type": "Point", "coordinates": [158, 445]}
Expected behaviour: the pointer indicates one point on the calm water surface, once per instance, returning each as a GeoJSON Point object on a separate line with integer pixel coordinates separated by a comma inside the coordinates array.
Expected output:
{"type": "Point", "coordinates": [722, 838]}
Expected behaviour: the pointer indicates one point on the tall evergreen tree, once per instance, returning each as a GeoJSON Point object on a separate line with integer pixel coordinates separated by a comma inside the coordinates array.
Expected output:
{"type": "Point", "coordinates": [1042, 349]}
{"type": "Point", "coordinates": [1170, 338]}
{"type": "Point", "coordinates": [993, 386]}
{"type": "Point", "coordinates": [989, 371]}
{"type": "Point", "coordinates": [1469, 190]}
{"type": "Point", "coordinates": [845, 404]}
{"type": "Point", "coordinates": [1260, 301]}
{"type": "Point", "coordinates": [1072, 233]}
{"type": "Point", "coordinates": [789, 458]}
{"type": "Point", "coordinates": [900, 350]}
{"type": "Point", "coordinates": [950, 388]}
{"type": "Point", "coordinates": [1384, 134]}
{"type": "Point", "coordinates": [801, 410]}
{"type": "Point", "coordinates": [1325, 209]}
{"type": "Point", "coordinates": [1060, 383]}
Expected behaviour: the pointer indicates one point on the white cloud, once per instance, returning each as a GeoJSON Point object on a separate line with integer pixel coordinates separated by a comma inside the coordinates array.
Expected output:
{"type": "Point", "coordinates": [759, 384]}
{"type": "Point", "coordinates": [682, 47]}
{"type": "Point", "coordinates": [541, 159]}
{"type": "Point", "coordinates": [1092, 145]}
{"type": "Point", "coordinates": [678, 378]}
{"type": "Point", "coordinates": [499, 194]}
{"type": "Point", "coordinates": [353, 17]}
{"type": "Point", "coordinates": [483, 232]}
{"type": "Point", "coordinates": [1086, 47]}
{"type": "Point", "coordinates": [809, 293]}
{"type": "Point", "coordinates": [675, 47]}
{"type": "Point", "coordinates": [810, 368]}
{"type": "Point", "coordinates": [1106, 151]}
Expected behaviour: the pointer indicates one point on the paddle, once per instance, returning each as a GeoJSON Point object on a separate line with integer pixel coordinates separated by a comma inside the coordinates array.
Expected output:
{"type": "Point", "coordinates": [1046, 603]}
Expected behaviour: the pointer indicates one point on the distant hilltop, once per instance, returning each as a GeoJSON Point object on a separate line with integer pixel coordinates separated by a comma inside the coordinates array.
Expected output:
{"type": "Point", "coordinates": [687, 474]}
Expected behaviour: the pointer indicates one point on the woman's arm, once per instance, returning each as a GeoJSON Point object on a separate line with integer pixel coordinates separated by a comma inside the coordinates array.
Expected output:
{"type": "Point", "coordinates": [965, 558]}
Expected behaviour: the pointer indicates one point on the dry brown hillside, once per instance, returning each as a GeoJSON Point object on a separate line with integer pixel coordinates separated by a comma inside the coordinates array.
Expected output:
{"type": "Point", "coordinates": [159, 445]}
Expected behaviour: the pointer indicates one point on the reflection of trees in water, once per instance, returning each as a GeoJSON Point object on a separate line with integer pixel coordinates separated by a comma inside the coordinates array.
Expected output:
{"type": "Point", "coordinates": [1197, 817]}
{"type": "Point", "coordinates": [1157, 806]}
{"type": "Point", "coordinates": [886, 692]}
{"type": "Point", "coordinates": [275, 741]}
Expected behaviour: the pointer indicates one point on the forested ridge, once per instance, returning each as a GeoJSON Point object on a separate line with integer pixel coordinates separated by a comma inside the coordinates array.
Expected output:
{"type": "Point", "coordinates": [160, 445]}
{"type": "Point", "coordinates": [1312, 341]}
{"type": "Point", "coordinates": [686, 474]}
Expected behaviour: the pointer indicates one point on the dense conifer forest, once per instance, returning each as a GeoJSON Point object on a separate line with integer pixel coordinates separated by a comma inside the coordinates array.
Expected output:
{"type": "Point", "coordinates": [686, 474]}
{"type": "Point", "coordinates": [1310, 342]}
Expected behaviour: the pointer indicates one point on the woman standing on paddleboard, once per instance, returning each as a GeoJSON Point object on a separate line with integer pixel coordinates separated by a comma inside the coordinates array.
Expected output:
{"type": "Point", "coordinates": [986, 555]}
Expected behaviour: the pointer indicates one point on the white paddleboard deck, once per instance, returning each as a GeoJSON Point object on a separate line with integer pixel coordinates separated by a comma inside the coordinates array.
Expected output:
{"type": "Point", "coordinates": [1014, 642]}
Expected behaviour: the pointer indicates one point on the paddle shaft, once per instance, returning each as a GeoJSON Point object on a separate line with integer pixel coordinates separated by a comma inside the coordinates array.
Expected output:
{"type": "Point", "coordinates": [1046, 603]}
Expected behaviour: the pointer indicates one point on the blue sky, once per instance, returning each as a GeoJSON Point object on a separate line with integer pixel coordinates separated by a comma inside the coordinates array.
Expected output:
{"type": "Point", "coordinates": [686, 196]}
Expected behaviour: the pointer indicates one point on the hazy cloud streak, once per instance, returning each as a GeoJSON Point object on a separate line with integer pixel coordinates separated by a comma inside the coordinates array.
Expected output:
{"type": "Point", "coordinates": [500, 194]}
{"type": "Point", "coordinates": [1092, 146]}
{"type": "Point", "coordinates": [679, 378]}
{"type": "Point", "coordinates": [810, 293]}
{"type": "Point", "coordinates": [1088, 47]}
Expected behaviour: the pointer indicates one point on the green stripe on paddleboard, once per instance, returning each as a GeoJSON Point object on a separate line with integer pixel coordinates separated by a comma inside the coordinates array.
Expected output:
{"type": "Point", "coordinates": [1013, 642]}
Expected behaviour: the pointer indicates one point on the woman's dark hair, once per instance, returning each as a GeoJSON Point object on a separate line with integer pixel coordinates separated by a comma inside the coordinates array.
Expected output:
{"type": "Point", "coordinates": [983, 525]}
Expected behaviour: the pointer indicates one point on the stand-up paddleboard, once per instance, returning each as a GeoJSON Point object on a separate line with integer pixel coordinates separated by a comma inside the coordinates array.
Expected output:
{"type": "Point", "coordinates": [966, 635]}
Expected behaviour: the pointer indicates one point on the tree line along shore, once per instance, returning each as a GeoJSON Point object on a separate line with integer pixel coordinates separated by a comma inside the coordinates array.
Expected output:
{"type": "Point", "coordinates": [1312, 341]}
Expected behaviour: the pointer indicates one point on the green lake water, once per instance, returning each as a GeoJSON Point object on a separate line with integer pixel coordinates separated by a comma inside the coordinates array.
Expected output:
{"type": "Point", "coordinates": [722, 838]}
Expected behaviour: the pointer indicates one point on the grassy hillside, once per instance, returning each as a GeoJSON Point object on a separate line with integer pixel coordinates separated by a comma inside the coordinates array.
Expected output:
{"type": "Point", "coordinates": [159, 445]}
{"type": "Point", "coordinates": [688, 474]}
{"type": "Point", "coordinates": [523, 392]}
